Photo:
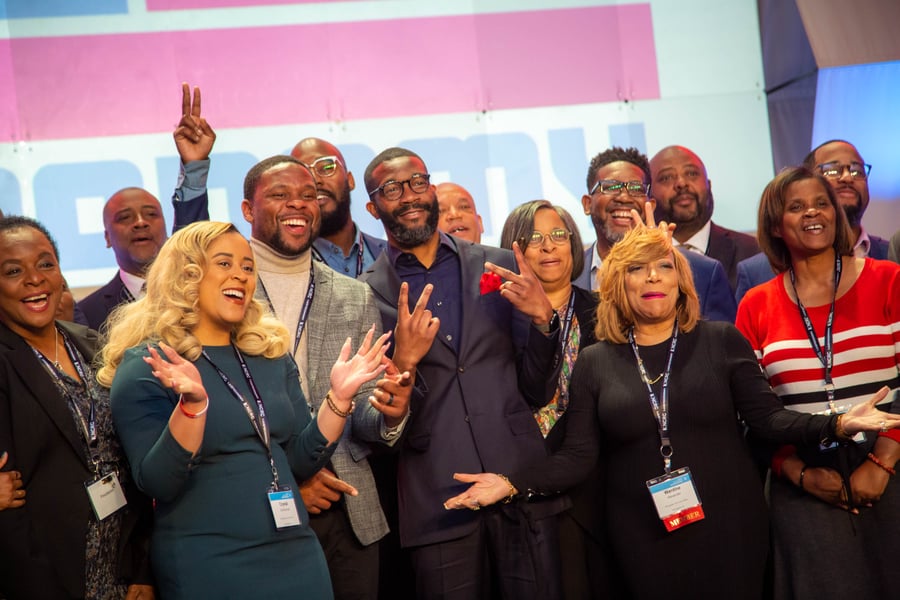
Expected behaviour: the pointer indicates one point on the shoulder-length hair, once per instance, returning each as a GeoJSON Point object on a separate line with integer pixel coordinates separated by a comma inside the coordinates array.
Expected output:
{"type": "Point", "coordinates": [519, 226]}
{"type": "Point", "coordinates": [771, 212]}
{"type": "Point", "coordinates": [640, 246]}
{"type": "Point", "coordinates": [169, 311]}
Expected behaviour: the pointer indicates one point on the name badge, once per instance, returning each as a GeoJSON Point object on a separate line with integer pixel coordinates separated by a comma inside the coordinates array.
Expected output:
{"type": "Point", "coordinates": [106, 495]}
{"type": "Point", "coordinates": [284, 509]}
{"type": "Point", "coordinates": [676, 499]}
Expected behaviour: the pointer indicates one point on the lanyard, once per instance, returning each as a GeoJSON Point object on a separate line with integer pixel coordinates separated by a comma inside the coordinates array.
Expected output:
{"type": "Point", "coordinates": [89, 425]}
{"type": "Point", "coordinates": [360, 254]}
{"type": "Point", "coordinates": [260, 423]}
{"type": "Point", "coordinates": [659, 406]}
{"type": "Point", "coordinates": [304, 310]}
{"type": "Point", "coordinates": [567, 323]}
{"type": "Point", "coordinates": [826, 354]}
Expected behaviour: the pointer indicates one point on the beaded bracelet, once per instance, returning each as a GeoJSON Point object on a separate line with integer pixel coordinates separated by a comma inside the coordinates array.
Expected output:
{"type": "Point", "coordinates": [191, 415]}
{"type": "Point", "coordinates": [512, 489]}
{"type": "Point", "coordinates": [341, 413]}
{"type": "Point", "coordinates": [878, 462]}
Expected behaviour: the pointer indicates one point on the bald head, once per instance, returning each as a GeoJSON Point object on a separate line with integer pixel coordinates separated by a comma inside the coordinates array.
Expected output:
{"type": "Point", "coordinates": [682, 190]}
{"type": "Point", "coordinates": [458, 214]}
{"type": "Point", "coordinates": [134, 227]}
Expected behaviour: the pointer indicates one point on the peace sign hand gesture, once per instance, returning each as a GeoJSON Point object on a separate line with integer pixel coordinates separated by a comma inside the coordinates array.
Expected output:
{"type": "Point", "coordinates": [194, 138]}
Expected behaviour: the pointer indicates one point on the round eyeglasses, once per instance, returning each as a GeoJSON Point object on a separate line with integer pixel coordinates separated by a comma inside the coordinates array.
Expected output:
{"type": "Point", "coordinates": [325, 166]}
{"type": "Point", "coordinates": [393, 190]}
{"type": "Point", "coordinates": [557, 236]}
{"type": "Point", "coordinates": [835, 170]}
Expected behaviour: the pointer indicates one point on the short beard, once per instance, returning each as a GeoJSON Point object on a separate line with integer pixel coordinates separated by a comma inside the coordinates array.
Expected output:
{"type": "Point", "coordinates": [853, 213]}
{"type": "Point", "coordinates": [408, 238]}
{"type": "Point", "coordinates": [277, 243]}
{"type": "Point", "coordinates": [335, 221]}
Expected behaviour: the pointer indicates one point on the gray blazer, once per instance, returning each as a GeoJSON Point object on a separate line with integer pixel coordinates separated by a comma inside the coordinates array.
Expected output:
{"type": "Point", "coordinates": [343, 307]}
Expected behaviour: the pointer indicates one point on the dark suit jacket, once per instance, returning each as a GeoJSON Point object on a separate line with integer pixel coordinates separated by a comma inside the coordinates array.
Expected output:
{"type": "Point", "coordinates": [42, 544]}
{"type": "Point", "coordinates": [477, 412]}
{"type": "Point", "coordinates": [97, 306]}
{"type": "Point", "coordinates": [730, 247]}
{"type": "Point", "coordinates": [375, 245]}
{"type": "Point", "coordinates": [716, 300]}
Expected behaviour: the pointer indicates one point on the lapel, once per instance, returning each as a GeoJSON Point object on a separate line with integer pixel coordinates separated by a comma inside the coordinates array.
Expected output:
{"type": "Point", "coordinates": [39, 384]}
{"type": "Point", "coordinates": [471, 265]}
{"type": "Point", "coordinates": [721, 246]}
{"type": "Point", "coordinates": [317, 322]}
{"type": "Point", "coordinates": [385, 284]}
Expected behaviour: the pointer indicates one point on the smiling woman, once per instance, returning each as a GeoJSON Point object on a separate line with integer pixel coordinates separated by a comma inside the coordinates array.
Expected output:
{"type": "Point", "coordinates": [57, 443]}
{"type": "Point", "coordinates": [210, 411]}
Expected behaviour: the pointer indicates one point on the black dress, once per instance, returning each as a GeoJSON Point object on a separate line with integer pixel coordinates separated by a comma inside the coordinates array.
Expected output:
{"type": "Point", "coordinates": [714, 377]}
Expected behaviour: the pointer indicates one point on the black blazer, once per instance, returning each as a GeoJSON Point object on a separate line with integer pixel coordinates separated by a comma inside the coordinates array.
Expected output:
{"type": "Point", "coordinates": [476, 414]}
{"type": "Point", "coordinates": [42, 544]}
{"type": "Point", "coordinates": [97, 306]}
{"type": "Point", "coordinates": [730, 247]}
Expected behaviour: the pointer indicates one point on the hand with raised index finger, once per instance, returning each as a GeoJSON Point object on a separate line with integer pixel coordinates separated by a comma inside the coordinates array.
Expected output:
{"type": "Point", "coordinates": [523, 289]}
{"type": "Point", "coordinates": [415, 331]}
{"type": "Point", "coordinates": [194, 138]}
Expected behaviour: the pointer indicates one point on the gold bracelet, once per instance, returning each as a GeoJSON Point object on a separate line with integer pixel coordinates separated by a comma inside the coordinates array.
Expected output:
{"type": "Point", "coordinates": [839, 429]}
{"type": "Point", "coordinates": [512, 489]}
{"type": "Point", "coordinates": [341, 413]}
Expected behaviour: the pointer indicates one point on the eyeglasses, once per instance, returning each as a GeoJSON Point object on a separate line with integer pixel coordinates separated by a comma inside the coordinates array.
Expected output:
{"type": "Point", "coordinates": [325, 166]}
{"type": "Point", "coordinates": [835, 170]}
{"type": "Point", "coordinates": [557, 236]}
{"type": "Point", "coordinates": [393, 190]}
{"type": "Point", "coordinates": [614, 187]}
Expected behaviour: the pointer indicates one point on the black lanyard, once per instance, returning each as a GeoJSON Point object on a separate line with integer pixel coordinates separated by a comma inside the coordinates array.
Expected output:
{"type": "Point", "coordinates": [567, 323]}
{"type": "Point", "coordinates": [304, 310]}
{"type": "Point", "coordinates": [660, 406]}
{"type": "Point", "coordinates": [826, 354]}
{"type": "Point", "coordinates": [89, 425]}
{"type": "Point", "coordinates": [260, 423]}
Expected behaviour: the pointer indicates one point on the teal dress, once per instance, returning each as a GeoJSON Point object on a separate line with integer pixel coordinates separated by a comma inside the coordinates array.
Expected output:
{"type": "Point", "coordinates": [214, 534]}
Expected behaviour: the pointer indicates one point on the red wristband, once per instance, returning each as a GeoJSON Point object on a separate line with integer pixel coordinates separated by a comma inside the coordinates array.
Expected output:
{"type": "Point", "coordinates": [779, 458]}
{"type": "Point", "coordinates": [894, 434]}
{"type": "Point", "coordinates": [191, 415]}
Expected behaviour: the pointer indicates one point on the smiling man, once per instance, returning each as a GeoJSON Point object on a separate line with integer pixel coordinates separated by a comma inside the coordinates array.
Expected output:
{"type": "Point", "coordinates": [458, 214]}
{"type": "Point", "coordinates": [618, 180]}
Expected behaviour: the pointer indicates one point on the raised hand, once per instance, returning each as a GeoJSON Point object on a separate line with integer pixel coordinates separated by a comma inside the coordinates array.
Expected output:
{"type": "Point", "coordinates": [649, 220]}
{"type": "Point", "coordinates": [176, 373]}
{"type": "Point", "coordinates": [866, 417]}
{"type": "Point", "coordinates": [391, 394]}
{"type": "Point", "coordinates": [194, 138]}
{"type": "Point", "coordinates": [12, 494]}
{"type": "Point", "coordinates": [350, 372]}
{"type": "Point", "coordinates": [523, 290]}
{"type": "Point", "coordinates": [415, 331]}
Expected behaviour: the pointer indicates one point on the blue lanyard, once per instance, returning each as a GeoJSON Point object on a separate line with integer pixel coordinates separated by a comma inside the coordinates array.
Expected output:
{"type": "Point", "coordinates": [660, 406]}
{"type": "Point", "coordinates": [567, 323]}
{"type": "Point", "coordinates": [260, 424]}
{"type": "Point", "coordinates": [826, 354]}
{"type": "Point", "coordinates": [361, 244]}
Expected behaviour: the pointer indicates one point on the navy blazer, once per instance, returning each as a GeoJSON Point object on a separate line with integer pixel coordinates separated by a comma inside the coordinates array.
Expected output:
{"type": "Point", "coordinates": [730, 247]}
{"type": "Point", "coordinates": [97, 306]}
{"type": "Point", "coordinates": [756, 270]}
{"type": "Point", "coordinates": [476, 413]}
{"type": "Point", "coordinates": [43, 542]}
{"type": "Point", "coordinates": [716, 300]}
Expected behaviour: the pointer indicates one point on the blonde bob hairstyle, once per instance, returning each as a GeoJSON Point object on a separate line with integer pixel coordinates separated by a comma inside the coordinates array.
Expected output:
{"type": "Point", "coordinates": [169, 311]}
{"type": "Point", "coordinates": [640, 246]}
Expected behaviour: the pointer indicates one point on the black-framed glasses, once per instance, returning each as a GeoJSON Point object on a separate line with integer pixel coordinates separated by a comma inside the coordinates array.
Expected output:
{"type": "Point", "coordinates": [393, 190]}
{"type": "Point", "coordinates": [325, 166]}
{"type": "Point", "coordinates": [835, 170]}
{"type": "Point", "coordinates": [557, 236]}
{"type": "Point", "coordinates": [614, 187]}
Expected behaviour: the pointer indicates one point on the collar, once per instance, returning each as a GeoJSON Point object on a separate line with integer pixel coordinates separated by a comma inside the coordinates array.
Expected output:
{"type": "Point", "coordinates": [133, 283]}
{"type": "Point", "coordinates": [698, 242]}
{"type": "Point", "coordinates": [272, 261]}
{"type": "Point", "coordinates": [445, 241]}
{"type": "Point", "coordinates": [596, 261]}
{"type": "Point", "coordinates": [328, 246]}
{"type": "Point", "coordinates": [863, 244]}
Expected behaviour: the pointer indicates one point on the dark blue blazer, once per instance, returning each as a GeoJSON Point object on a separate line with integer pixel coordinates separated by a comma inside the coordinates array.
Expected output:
{"type": "Point", "coordinates": [730, 247]}
{"type": "Point", "coordinates": [476, 413]}
{"type": "Point", "coordinates": [716, 300]}
{"type": "Point", "coordinates": [756, 270]}
{"type": "Point", "coordinates": [97, 306]}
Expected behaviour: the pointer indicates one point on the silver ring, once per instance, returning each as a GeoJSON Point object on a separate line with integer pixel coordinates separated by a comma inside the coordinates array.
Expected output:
{"type": "Point", "coordinates": [477, 506]}
{"type": "Point", "coordinates": [390, 401]}
{"type": "Point", "coordinates": [884, 426]}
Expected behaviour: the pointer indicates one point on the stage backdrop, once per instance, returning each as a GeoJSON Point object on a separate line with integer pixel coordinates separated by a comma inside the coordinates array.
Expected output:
{"type": "Point", "coordinates": [510, 99]}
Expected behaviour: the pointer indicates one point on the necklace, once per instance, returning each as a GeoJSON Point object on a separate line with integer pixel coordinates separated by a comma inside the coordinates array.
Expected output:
{"type": "Point", "coordinates": [651, 381]}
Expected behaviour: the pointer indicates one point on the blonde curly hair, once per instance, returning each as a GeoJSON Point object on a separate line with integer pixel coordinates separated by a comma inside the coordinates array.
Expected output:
{"type": "Point", "coordinates": [640, 245]}
{"type": "Point", "coordinates": [169, 311]}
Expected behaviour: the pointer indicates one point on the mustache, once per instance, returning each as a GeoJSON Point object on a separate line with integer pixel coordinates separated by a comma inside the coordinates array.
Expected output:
{"type": "Point", "coordinates": [399, 212]}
